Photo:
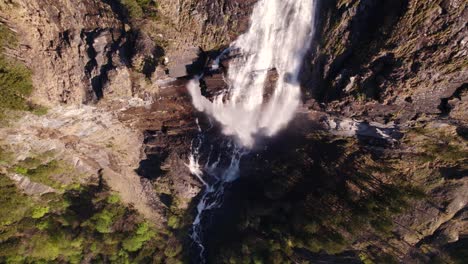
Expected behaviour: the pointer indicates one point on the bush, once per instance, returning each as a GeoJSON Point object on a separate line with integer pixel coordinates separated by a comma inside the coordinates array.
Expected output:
{"type": "Point", "coordinates": [173, 250]}
{"type": "Point", "coordinates": [15, 85]}
{"type": "Point", "coordinates": [104, 221]}
{"type": "Point", "coordinates": [44, 248]}
{"type": "Point", "coordinates": [15, 78]}
{"type": "Point", "coordinates": [113, 198]}
{"type": "Point", "coordinates": [133, 8]}
{"type": "Point", "coordinates": [139, 8]}
{"type": "Point", "coordinates": [173, 222]}
{"type": "Point", "coordinates": [14, 204]}
{"type": "Point", "coordinates": [39, 212]}
{"type": "Point", "coordinates": [135, 242]}
{"type": "Point", "coordinates": [62, 228]}
{"type": "Point", "coordinates": [44, 173]}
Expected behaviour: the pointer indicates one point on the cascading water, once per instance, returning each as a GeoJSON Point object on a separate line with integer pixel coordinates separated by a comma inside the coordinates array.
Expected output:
{"type": "Point", "coordinates": [278, 38]}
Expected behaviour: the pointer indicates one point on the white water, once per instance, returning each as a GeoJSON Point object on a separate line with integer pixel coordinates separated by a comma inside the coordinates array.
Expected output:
{"type": "Point", "coordinates": [220, 176]}
{"type": "Point", "coordinates": [278, 38]}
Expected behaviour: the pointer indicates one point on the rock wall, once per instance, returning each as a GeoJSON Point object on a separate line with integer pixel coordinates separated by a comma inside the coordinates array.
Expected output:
{"type": "Point", "coordinates": [80, 53]}
{"type": "Point", "coordinates": [72, 48]}
{"type": "Point", "coordinates": [209, 24]}
{"type": "Point", "coordinates": [390, 60]}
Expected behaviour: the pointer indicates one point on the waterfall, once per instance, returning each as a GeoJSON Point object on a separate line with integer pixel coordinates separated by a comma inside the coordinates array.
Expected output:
{"type": "Point", "coordinates": [277, 40]}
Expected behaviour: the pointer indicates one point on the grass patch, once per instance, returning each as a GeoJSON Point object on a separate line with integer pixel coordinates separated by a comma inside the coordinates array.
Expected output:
{"type": "Point", "coordinates": [15, 78]}
{"type": "Point", "coordinates": [6, 157]}
{"type": "Point", "coordinates": [41, 173]}
{"type": "Point", "coordinates": [7, 37]}
{"type": "Point", "coordinates": [138, 9]}
{"type": "Point", "coordinates": [15, 85]}
{"type": "Point", "coordinates": [437, 144]}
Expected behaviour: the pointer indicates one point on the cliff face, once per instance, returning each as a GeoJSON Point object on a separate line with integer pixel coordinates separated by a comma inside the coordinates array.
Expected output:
{"type": "Point", "coordinates": [80, 53]}
{"type": "Point", "coordinates": [71, 48]}
{"type": "Point", "coordinates": [330, 189]}
{"type": "Point", "coordinates": [207, 23]}
{"type": "Point", "coordinates": [391, 60]}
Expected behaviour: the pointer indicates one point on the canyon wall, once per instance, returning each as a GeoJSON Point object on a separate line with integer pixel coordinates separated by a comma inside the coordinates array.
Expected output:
{"type": "Point", "coordinates": [391, 60]}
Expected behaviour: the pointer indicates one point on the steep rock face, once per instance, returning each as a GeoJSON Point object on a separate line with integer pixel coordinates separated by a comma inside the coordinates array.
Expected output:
{"type": "Point", "coordinates": [207, 23]}
{"type": "Point", "coordinates": [391, 60]}
{"type": "Point", "coordinates": [168, 127]}
{"type": "Point", "coordinates": [71, 48]}
{"type": "Point", "coordinates": [94, 144]}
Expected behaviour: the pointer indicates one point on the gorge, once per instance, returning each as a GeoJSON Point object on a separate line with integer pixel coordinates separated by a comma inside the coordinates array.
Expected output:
{"type": "Point", "coordinates": [279, 31]}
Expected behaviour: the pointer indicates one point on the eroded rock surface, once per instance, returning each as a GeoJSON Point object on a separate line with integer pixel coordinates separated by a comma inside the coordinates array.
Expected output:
{"type": "Point", "coordinates": [71, 47]}
{"type": "Point", "coordinates": [93, 142]}
{"type": "Point", "coordinates": [390, 60]}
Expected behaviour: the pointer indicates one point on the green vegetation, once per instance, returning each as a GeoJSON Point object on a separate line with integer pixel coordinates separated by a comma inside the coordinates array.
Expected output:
{"type": "Point", "coordinates": [173, 222]}
{"type": "Point", "coordinates": [135, 242]}
{"type": "Point", "coordinates": [346, 199]}
{"type": "Point", "coordinates": [138, 9]}
{"type": "Point", "coordinates": [15, 79]}
{"type": "Point", "coordinates": [85, 222]}
{"type": "Point", "coordinates": [15, 84]}
{"type": "Point", "coordinates": [39, 212]}
{"type": "Point", "coordinates": [14, 206]}
{"type": "Point", "coordinates": [45, 173]}
{"type": "Point", "coordinates": [438, 145]}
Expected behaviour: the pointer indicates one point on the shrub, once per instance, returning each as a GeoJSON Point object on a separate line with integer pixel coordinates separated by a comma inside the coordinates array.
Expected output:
{"type": "Point", "coordinates": [15, 78]}
{"type": "Point", "coordinates": [139, 8]}
{"type": "Point", "coordinates": [39, 212]}
{"type": "Point", "coordinates": [6, 156]}
{"type": "Point", "coordinates": [15, 85]}
{"type": "Point", "coordinates": [60, 228]}
{"type": "Point", "coordinates": [133, 8]}
{"type": "Point", "coordinates": [14, 204]}
{"type": "Point", "coordinates": [42, 247]}
{"type": "Point", "coordinates": [7, 37]}
{"type": "Point", "coordinates": [44, 173]}
{"type": "Point", "coordinates": [173, 222]}
{"type": "Point", "coordinates": [113, 198]}
{"type": "Point", "coordinates": [21, 170]}
{"type": "Point", "coordinates": [135, 242]}
{"type": "Point", "coordinates": [104, 221]}
{"type": "Point", "coordinates": [172, 250]}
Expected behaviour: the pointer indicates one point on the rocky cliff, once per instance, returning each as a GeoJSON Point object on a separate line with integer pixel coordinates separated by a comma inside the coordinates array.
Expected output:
{"type": "Point", "coordinates": [373, 169]}
{"type": "Point", "coordinates": [71, 48]}
{"type": "Point", "coordinates": [391, 60]}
